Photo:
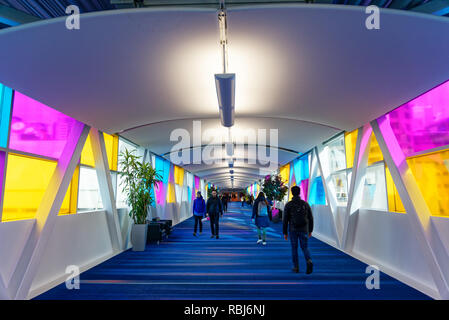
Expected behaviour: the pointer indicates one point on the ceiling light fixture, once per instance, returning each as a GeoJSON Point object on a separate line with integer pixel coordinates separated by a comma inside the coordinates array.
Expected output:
{"type": "Point", "coordinates": [225, 82]}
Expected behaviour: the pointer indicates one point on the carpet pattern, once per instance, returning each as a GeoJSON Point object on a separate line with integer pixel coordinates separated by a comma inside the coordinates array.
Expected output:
{"type": "Point", "coordinates": [232, 267]}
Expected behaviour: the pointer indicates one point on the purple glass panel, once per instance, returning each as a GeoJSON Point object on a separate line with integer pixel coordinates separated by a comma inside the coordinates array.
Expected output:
{"type": "Point", "coordinates": [2, 168]}
{"type": "Point", "coordinates": [422, 123]}
{"type": "Point", "coordinates": [161, 192]}
{"type": "Point", "coordinates": [197, 183]}
{"type": "Point", "coordinates": [38, 129]}
{"type": "Point", "coordinates": [171, 178]}
{"type": "Point", "coordinates": [304, 188]}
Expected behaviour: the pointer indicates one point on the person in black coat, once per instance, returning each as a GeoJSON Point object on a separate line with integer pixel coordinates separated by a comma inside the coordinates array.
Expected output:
{"type": "Point", "coordinates": [298, 223]}
{"type": "Point", "coordinates": [213, 209]}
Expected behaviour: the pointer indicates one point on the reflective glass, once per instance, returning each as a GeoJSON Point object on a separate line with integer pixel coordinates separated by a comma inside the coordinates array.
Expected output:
{"type": "Point", "coordinates": [422, 123]}
{"type": "Point", "coordinates": [38, 129]}
{"type": "Point", "coordinates": [431, 172]}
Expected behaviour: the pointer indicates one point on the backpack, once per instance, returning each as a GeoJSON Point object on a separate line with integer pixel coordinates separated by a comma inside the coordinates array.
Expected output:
{"type": "Point", "coordinates": [299, 214]}
{"type": "Point", "coordinates": [263, 210]}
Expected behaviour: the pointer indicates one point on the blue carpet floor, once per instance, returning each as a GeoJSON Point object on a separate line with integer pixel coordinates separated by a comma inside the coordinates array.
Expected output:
{"type": "Point", "coordinates": [232, 267]}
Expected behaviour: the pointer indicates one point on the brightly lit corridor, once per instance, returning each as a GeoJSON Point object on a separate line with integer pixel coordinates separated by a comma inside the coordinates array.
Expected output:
{"type": "Point", "coordinates": [350, 105]}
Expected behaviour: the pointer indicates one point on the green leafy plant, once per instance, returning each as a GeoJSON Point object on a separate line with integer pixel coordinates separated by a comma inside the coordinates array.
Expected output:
{"type": "Point", "coordinates": [274, 188]}
{"type": "Point", "coordinates": [209, 192]}
{"type": "Point", "coordinates": [137, 180]}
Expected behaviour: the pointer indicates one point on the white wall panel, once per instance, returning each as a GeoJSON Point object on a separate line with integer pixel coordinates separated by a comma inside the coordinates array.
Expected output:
{"type": "Point", "coordinates": [13, 237]}
{"type": "Point", "coordinates": [441, 225]}
{"type": "Point", "coordinates": [80, 239]}
{"type": "Point", "coordinates": [324, 224]}
{"type": "Point", "coordinates": [388, 239]}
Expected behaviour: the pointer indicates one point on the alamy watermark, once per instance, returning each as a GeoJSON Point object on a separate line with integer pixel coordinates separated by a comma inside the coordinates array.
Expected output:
{"type": "Point", "coordinates": [373, 280]}
{"type": "Point", "coordinates": [72, 22]}
{"type": "Point", "coordinates": [223, 145]}
{"type": "Point", "coordinates": [373, 20]}
{"type": "Point", "coordinates": [73, 280]}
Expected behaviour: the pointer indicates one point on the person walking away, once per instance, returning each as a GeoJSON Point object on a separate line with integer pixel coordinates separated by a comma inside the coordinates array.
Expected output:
{"type": "Point", "coordinates": [261, 216]}
{"type": "Point", "coordinates": [298, 223]}
{"type": "Point", "coordinates": [214, 208]}
{"type": "Point", "coordinates": [199, 209]}
{"type": "Point", "coordinates": [243, 200]}
{"type": "Point", "coordinates": [224, 201]}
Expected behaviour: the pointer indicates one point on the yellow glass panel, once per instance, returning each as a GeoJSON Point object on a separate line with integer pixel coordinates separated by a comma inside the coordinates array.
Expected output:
{"type": "Point", "coordinates": [290, 195]}
{"type": "Point", "coordinates": [179, 176]}
{"type": "Point", "coordinates": [431, 173]}
{"type": "Point", "coordinates": [350, 143]}
{"type": "Point", "coordinates": [71, 197]}
{"type": "Point", "coordinates": [27, 179]}
{"type": "Point", "coordinates": [111, 145]}
{"type": "Point", "coordinates": [394, 201]}
{"type": "Point", "coordinates": [171, 198]}
{"type": "Point", "coordinates": [285, 172]}
{"type": "Point", "coordinates": [87, 156]}
{"type": "Point", "coordinates": [375, 154]}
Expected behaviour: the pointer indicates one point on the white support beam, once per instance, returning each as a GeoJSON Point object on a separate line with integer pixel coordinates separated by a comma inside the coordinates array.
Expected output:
{"type": "Point", "coordinates": [355, 192]}
{"type": "Point", "coordinates": [4, 295]}
{"type": "Point", "coordinates": [415, 206]}
{"type": "Point", "coordinates": [48, 212]}
{"type": "Point", "coordinates": [106, 189]}
{"type": "Point", "coordinates": [330, 200]}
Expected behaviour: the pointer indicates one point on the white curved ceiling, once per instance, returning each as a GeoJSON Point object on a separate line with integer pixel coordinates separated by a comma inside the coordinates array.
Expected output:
{"type": "Point", "coordinates": [309, 71]}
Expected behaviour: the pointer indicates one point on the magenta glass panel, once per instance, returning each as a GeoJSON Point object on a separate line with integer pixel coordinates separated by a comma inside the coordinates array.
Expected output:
{"type": "Point", "coordinates": [161, 192]}
{"type": "Point", "coordinates": [2, 169]}
{"type": "Point", "coordinates": [422, 123]}
{"type": "Point", "coordinates": [197, 183]}
{"type": "Point", "coordinates": [38, 129]}
{"type": "Point", "coordinates": [304, 188]}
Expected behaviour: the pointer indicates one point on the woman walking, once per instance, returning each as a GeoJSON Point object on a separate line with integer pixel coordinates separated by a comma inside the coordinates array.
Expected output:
{"type": "Point", "coordinates": [199, 209]}
{"type": "Point", "coordinates": [262, 217]}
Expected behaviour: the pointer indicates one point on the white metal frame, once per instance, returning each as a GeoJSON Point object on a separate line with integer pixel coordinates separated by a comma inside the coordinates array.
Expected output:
{"type": "Point", "coordinates": [418, 214]}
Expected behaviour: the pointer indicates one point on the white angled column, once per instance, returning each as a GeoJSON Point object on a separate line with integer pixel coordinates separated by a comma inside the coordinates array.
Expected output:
{"type": "Point", "coordinates": [47, 213]}
{"type": "Point", "coordinates": [106, 189]}
{"type": "Point", "coordinates": [329, 197]}
{"type": "Point", "coordinates": [415, 206]}
{"type": "Point", "coordinates": [3, 292]}
{"type": "Point", "coordinates": [355, 192]}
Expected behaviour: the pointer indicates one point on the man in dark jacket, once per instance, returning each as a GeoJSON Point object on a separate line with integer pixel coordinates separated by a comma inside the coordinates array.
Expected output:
{"type": "Point", "coordinates": [224, 201]}
{"type": "Point", "coordinates": [298, 222]}
{"type": "Point", "coordinates": [214, 208]}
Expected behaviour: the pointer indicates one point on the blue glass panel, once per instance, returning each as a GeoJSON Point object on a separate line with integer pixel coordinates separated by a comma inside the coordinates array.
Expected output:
{"type": "Point", "coordinates": [5, 112]}
{"type": "Point", "coordinates": [317, 195]}
{"type": "Point", "coordinates": [301, 168]}
{"type": "Point", "coordinates": [163, 168]}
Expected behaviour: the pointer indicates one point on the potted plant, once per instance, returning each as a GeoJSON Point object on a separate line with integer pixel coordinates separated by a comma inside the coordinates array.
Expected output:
{"type": "Point", "coordinates": [137, 180]}
{"type": "Point", "coordinates": [275, 190]}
